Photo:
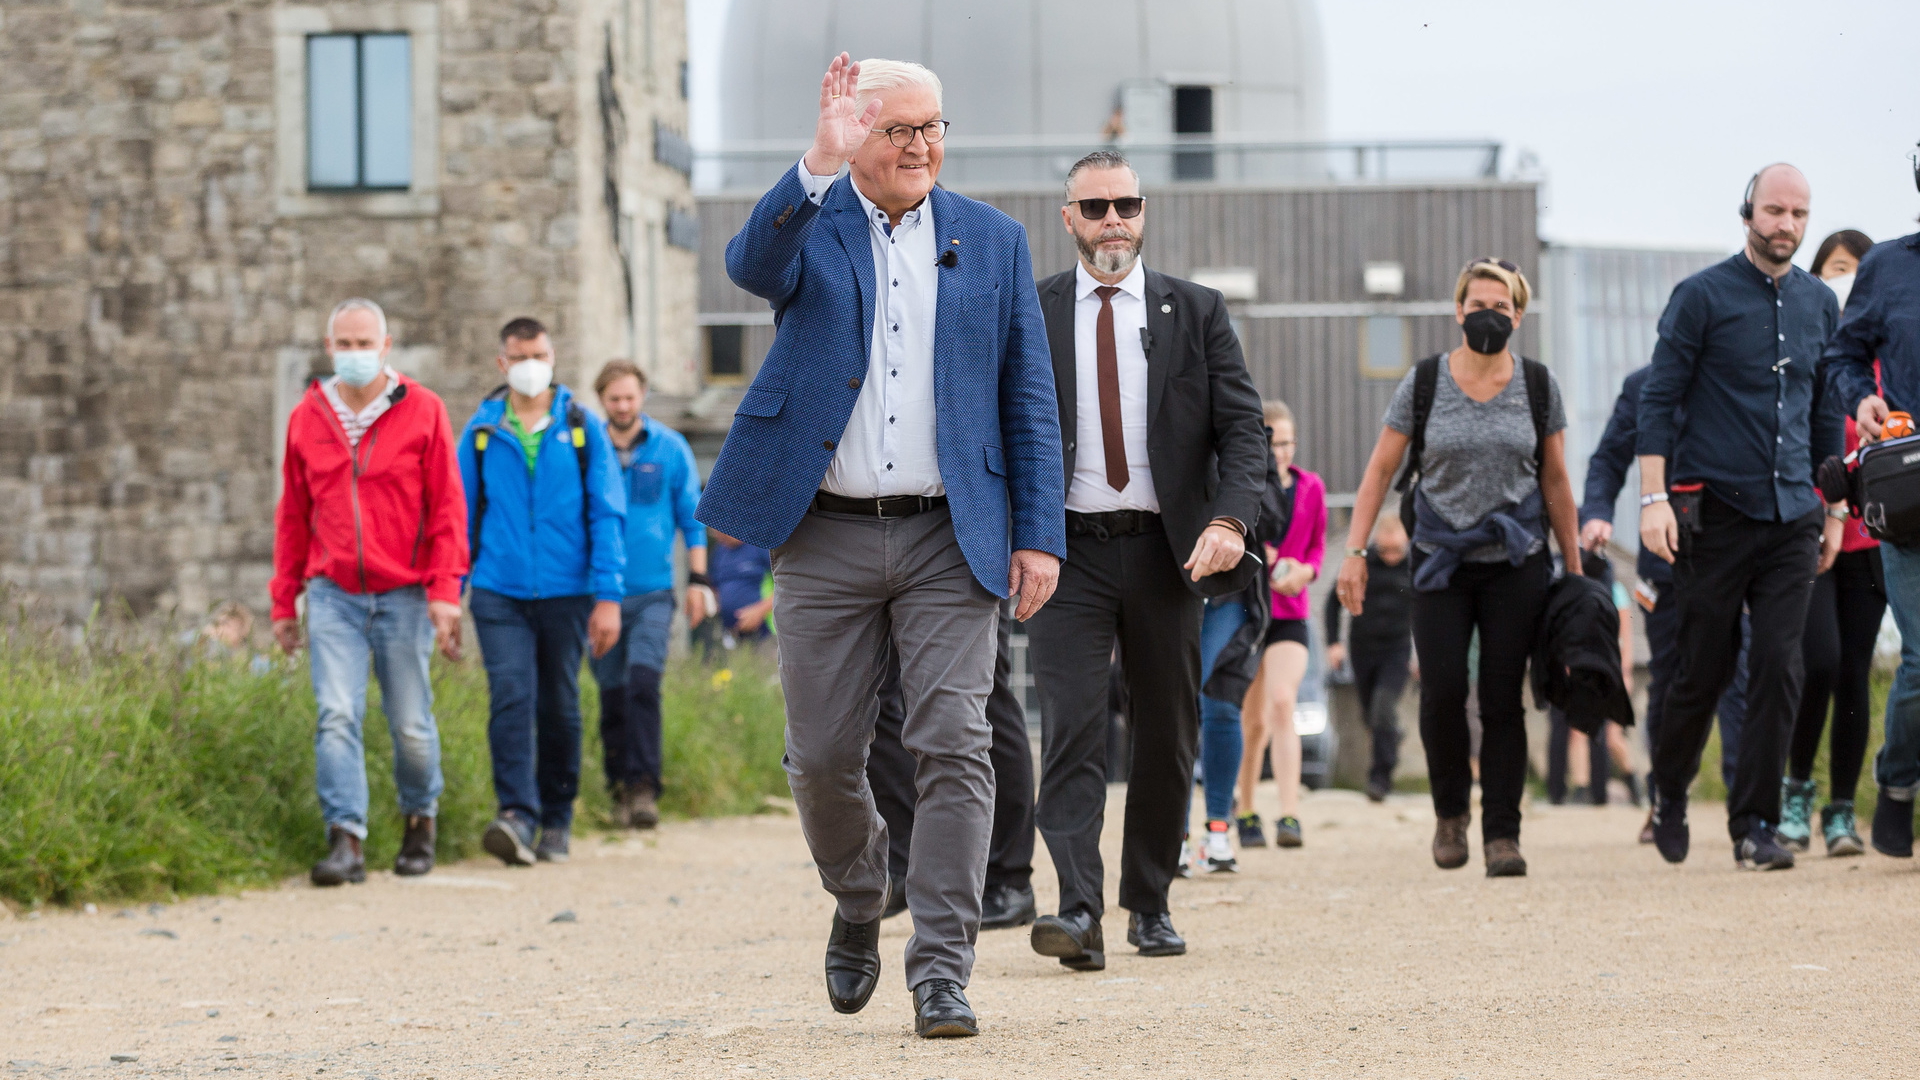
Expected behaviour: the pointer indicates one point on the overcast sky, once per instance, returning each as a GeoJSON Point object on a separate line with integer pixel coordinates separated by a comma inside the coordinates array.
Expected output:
{"type": "Point", "coordinates": [1646, 116]}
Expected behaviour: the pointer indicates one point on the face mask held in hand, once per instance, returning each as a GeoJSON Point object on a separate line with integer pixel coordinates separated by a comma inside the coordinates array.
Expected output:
{"type": "Point", "coordinates": [357, 367]}
{"type": "Point", "coordinates": [1487, 331]}
{"type": "Point", "coordinates": [530, 378]}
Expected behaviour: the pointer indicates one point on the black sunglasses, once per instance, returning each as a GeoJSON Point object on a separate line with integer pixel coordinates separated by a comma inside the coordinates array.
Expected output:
{"type": "Point", "coordinates": [1501, 263]}
{"type": "Point", "coordinates": [1096, 209]}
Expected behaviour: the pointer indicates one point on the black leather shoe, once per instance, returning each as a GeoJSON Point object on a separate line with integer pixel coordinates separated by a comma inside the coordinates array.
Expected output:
{"type": "Point", "coordinates": [343, 862]}
{"type": "Point", "coordinates": [940, 1011]}
{"type": "Point", "coordinates": [1074, 937]}
{"type": "Point", "coordinates": [1893, 827]}
{"type": "Point", "coordinates": [1153, 934]}
{"type": "Point", "coordinates": [416, 847]}
{"type": "Point", "coordinates": [896, 897]}
{"type": "Point", "coordinates": [853, 963]}
{"type": "Point", "coordinates": [1670, 833]}
{"type": "Point", "coordinates": [1006, 906]}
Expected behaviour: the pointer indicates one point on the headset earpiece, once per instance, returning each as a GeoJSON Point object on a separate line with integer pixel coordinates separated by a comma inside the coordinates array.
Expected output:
{"type": "Point", "coordinates": [1746, 199]}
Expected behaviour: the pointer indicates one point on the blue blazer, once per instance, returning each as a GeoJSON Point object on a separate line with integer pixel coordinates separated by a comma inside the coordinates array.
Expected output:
{"type": "Point", "coordinates": [998, 423]}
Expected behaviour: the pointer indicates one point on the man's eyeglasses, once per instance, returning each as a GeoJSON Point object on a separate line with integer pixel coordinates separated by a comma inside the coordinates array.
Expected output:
{"type": "Point", "coordinates": [1096, 209]}
{"type": "Point", "coordinates": [1501, 263]}
{"type": "Point", "coordinates": [901, 135]}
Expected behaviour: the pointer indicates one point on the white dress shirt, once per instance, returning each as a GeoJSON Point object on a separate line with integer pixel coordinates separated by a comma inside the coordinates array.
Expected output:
{"type": "Point", "coordinates": [889, 446]}
{"type": "Point", "coordinates": [1089, 493]}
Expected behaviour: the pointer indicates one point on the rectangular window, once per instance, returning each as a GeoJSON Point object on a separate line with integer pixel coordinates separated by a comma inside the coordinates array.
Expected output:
{"type": "Point", "coordinates": [359, 112]}
{"type": "Point", "coordinates": [1193, 115]}
{"type": "Point", "coordinates": [726, 353]}
{"type": "Point", "coordinates": [1383, 347]}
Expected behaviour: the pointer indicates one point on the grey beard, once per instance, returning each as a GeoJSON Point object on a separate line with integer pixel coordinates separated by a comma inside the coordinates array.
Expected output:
{"type": "Point", "coordinates": [1110, 262]}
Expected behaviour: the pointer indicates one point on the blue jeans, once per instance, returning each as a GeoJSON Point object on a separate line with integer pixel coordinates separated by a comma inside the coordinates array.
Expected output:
{"type": "Point", "coordinates": [629, 679]}
{"type": "Point", "coordinates": [532, 650]}
{"type": "Point", "coordinates": [1897, 767]}
{"type": "Point", "coordinates": [1220, 742]}
{"type": "Point", "coordinates": [393, 629]}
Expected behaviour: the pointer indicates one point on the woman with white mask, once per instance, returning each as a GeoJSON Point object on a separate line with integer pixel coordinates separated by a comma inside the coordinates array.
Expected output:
{"type": "Point", "coordinates": [1839, 256]}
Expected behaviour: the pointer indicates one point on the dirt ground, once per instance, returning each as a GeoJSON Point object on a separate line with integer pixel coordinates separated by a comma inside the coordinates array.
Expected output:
{"type": "Point", "coordinates": [696, 952]}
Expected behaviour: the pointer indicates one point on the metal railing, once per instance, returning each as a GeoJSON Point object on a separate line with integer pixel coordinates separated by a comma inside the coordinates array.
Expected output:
{"type": "Point", "coordinates": [987, 162]}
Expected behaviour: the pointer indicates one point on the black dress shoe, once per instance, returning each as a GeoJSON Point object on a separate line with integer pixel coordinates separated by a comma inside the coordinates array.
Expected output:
{"type": "Point", "coordinates": [1006, 906]}
{"type": "Point", "coordinates": [896, 897]}
{"type": "Point", "coordinates": [1153, 934]}
{"type": "Point", "coordinates": [853, 963]}
{"type": "Point", "coordinates": [343, 862]}
{"type": "Point", "coordinates": [940, 1011]}
{"type": "Point", "coordinates": [1073, 937]}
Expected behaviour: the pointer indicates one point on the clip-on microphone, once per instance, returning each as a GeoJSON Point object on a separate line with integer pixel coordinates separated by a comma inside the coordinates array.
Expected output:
{"type": "Point", "coordinates": [949, 258]}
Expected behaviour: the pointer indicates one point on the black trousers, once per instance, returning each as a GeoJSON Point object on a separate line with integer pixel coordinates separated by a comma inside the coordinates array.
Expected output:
{"type": "Point", "coordinates": [1599, 769]}
{"type": "Point", "coordinates": [1663, 645]}
{"type": "Point", "coordinates": [1127, 591]}
{"type": "Point", "coordinates": [1379, 677]}
{"type": "Point", "coordinates": [1843, 619]}
{"type": "Point", "coordinates": [891, 773]}
{"type": "Point", "coordinates": [1503, 602]}
{"type": "Point", "coordinates": [1767, 568]}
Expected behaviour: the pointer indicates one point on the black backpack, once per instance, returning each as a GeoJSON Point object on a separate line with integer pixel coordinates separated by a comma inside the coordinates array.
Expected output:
{"type": "Point", "coordinates": [482, 436]}
{"type": "Point", "coordinates": [1426, 378]}
{"type": "Point", "coordinates": [1887, 490]}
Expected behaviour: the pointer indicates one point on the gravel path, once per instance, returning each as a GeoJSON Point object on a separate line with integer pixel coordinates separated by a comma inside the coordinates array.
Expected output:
{"type": "Point", "coordinates": [696, 952]}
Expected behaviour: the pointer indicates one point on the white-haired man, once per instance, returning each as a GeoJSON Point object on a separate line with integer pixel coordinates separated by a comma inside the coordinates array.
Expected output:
{"type": "Point", "coordinates": [899, 434]}
{"type": "Point", "coordinates": [372, 525]}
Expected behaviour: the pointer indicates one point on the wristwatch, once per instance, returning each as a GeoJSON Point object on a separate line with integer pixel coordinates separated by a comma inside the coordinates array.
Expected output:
{"type": "Point", "coordinates": [1837, 513]}
{"type": "Point", "coordinates": [1649, 500]}
{"type": "Point", "coordinates": [1356, 553]}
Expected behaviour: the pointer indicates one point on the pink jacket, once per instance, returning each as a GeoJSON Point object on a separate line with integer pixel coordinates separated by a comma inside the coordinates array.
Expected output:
{"type": "Point", "coordinates": [1306, 539]}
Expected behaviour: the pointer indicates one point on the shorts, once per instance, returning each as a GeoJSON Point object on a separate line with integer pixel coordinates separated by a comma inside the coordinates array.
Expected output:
{"type": "Point", "coordinates": [1294, 630]}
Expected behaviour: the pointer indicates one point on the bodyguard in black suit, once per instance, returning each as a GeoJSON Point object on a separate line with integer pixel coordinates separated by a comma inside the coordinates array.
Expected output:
{"type": "Point", "coordinates": [1165, 459]}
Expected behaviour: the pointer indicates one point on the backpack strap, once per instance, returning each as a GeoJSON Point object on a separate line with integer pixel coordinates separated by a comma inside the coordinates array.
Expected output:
{"type": "Point", "coordinates": [1426, 378]}
{"type": "Point", "coordinates": [577, 434]}
{"type": "Point", "coordinates": [482, 437]}
{"type": "Point", "coordinates": [1539, 403]}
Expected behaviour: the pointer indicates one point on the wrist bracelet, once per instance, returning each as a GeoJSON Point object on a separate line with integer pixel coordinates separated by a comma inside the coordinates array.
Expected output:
{"type": "Point", "coordinates": [1356, 553]}
{"type": "Point", "coordinates": [1649, 500]}
{"type": "Point", "coordinates": [695, 577]}
{"type": "Point", "coordinates": [1837, 513]}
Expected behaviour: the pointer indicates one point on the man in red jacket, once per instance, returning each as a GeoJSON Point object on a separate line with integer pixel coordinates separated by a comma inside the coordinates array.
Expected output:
{"type": "Point", "coordinates": [372, 523]}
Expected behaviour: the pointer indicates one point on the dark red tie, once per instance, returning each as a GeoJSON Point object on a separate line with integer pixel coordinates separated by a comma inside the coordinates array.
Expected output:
{"type": "Point", "coordinates": [1112, 435]}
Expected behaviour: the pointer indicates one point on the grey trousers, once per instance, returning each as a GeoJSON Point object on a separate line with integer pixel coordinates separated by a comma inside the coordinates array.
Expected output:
{"type": "Point", "coordinates": [843, 587]}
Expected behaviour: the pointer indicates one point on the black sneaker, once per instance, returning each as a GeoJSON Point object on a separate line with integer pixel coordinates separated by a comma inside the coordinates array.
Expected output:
{"type": "Point", "coordinates": [510, 839]}
{"type": "Point", "coordinates": [1670, 833]}
{"type": "Point", "coordinates": [1286, 832]}
{"type": "Point", "coordinates": [1762, 850]}
{"type": "Point", "coordinates": [1250, 831]}
{"type": "Point", "coordinates": [1893, 827]}
{"type": "Point", "coordinates": [556, 842]}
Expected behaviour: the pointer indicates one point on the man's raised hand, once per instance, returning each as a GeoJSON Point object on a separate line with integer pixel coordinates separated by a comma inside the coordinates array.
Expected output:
{"type": "Point", "coordinates": [842, 128]}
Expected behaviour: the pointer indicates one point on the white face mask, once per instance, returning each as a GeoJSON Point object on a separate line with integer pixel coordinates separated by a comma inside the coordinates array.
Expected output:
{"type": "Point", "coordinates": [530, 378]}
{"type": "Point", "coordinates": [357, 367]}
{"type": "Point", "coordinates": [1841, 284]}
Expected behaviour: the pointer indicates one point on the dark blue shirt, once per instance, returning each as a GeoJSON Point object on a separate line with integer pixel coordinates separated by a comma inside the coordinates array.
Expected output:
{"type": "Point", "coordinates": [1607, 471]}
{"type": "Point", "coordinates": [1882, 321]}
{"type": "Point", "coordinates": [1739, 354]}
{"type": "Point", "coordinates": [737, 574]}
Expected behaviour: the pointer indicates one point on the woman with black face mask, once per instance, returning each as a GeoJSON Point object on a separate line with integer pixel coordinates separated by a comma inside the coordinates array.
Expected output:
{"type": "Point", "coordinates": [1483, 432]}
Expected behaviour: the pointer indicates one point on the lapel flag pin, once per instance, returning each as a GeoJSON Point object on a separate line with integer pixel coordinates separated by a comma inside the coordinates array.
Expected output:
{"type": "Point", "coordinates": [1166, 308]}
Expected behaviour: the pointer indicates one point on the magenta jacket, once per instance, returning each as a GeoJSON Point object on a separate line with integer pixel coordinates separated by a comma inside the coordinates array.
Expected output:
{"type": "Point", "coordinates": [1306, 539]}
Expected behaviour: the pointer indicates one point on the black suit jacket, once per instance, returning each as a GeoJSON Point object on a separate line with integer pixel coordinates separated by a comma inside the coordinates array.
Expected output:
{"type": "Point", "coordinates": [1206, 443]}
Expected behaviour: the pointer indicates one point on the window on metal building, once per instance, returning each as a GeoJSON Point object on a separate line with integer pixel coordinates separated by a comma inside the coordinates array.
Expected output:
{"type": "Point", "coordinates": [1193, 115]}
{"type": "Point", "coordinates": [726, 354]}
{"type": "Point", "coordinates": [359, 112]}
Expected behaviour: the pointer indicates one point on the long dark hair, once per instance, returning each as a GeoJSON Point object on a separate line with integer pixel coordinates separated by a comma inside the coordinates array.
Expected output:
{"type": "Point", "coordinates": [1856, 242]}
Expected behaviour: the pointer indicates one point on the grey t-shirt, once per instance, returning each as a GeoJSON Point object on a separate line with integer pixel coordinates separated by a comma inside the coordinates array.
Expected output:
{"type": "Point", "coordinates": [1479, 454]}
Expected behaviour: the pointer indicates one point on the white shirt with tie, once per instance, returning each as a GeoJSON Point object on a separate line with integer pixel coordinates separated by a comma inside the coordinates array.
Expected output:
{"type": "Point", "coordinates": [889, 447]}
{"type": "Point", "coordinates": [1088, 491]}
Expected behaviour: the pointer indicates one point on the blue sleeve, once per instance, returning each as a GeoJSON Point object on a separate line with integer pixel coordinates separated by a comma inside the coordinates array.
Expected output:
{"type": "Point", "coordinates": [1682, 339]}
{"type": "Point", "coordinates": [1030, 419]}
{"type": "Point", "coordinates": [686, 497]}
{"type": "Point", "coordinates": [1852, 346]}
{"type": "Point", "coordinates": [1827, 426]}
{"type": "Point", "coordinates": [606, 514]}
{"type": "Point", "coordinates": [1607, 467]}
{"type": "Point", "coordinates": [764, 256]}
{"type": "Point", "coordinates": [469, 482]}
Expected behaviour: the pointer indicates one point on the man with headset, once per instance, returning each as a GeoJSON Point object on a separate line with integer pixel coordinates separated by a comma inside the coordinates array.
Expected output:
{"type": "Point", "coordinates": [1734, 415]}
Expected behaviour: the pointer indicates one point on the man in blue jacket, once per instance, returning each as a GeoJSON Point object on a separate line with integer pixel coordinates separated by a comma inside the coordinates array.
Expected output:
{"type": "Point", "coordinates": [901, 431]}
{"type": "Point", "coordinates": [662, 486]}
{"type": "Point", "coordinates": [546, 516]}
{"type": "Point", "coordinates": [1882, 321]}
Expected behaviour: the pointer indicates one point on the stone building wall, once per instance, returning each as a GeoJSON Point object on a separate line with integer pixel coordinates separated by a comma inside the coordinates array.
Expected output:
{"type": "Point", "coordinates": [163, 292]}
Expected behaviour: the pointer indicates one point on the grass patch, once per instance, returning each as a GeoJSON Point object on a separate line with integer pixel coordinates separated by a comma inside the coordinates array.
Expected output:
{"type": "Point", "coordinates": [149, 770]}
{"type": "Point", "coordinates": [1867, 796]}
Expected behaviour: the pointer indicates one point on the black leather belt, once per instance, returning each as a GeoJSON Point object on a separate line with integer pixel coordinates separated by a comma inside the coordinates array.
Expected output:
{"type": "Point", "coordinates": [893, 506]}
{"type": "Point", "coordinates": [1111, 523]}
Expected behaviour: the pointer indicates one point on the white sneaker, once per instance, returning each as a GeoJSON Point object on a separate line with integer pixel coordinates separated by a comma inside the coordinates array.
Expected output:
{"type": "Point", "coordinates": [1220, 858]}
{"type": "Point", "coordinates": [1188, 860]}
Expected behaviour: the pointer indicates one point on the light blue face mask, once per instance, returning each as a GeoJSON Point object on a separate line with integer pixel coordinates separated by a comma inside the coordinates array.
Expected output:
{"type": "Point", "coordinates": [357, 367]}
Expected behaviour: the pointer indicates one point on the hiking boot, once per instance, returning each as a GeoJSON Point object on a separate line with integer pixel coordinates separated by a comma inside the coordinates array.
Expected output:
{"type": "Point", "coordinates": [510, 839]}
{"type": "Point", "coordinates": [1250, 832]}
{"type": "Point", "coordinates": [619, 815]}
{"type": "Point", "coordinates": [643, 805]}
{"type": "Point", "coordinates": [1286, 832]}
{"type": "Point", "coordinates": [554, 842]}
{"type": "Point", "coordinates": [416, 847]}
{"type": "Point", "coordinates": [1837, 828]}
{"type": "Point", "coordinates": [1893, 827]}
{"type": "Point", "coordinates": [1220, 858]}
{"type": "Point", "coordinates": [1504, 858]}
{"type": "Point", "coordinates": [1670, 833]}
{"type": "Point", "coordinates": [1450, 842]}
{"type": "Point", "coordinates": [1761, 850]}
{"type": "Point", "coordinates": [343, 863]}
{"type": "Point", "coordinates": [1796, 814]}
